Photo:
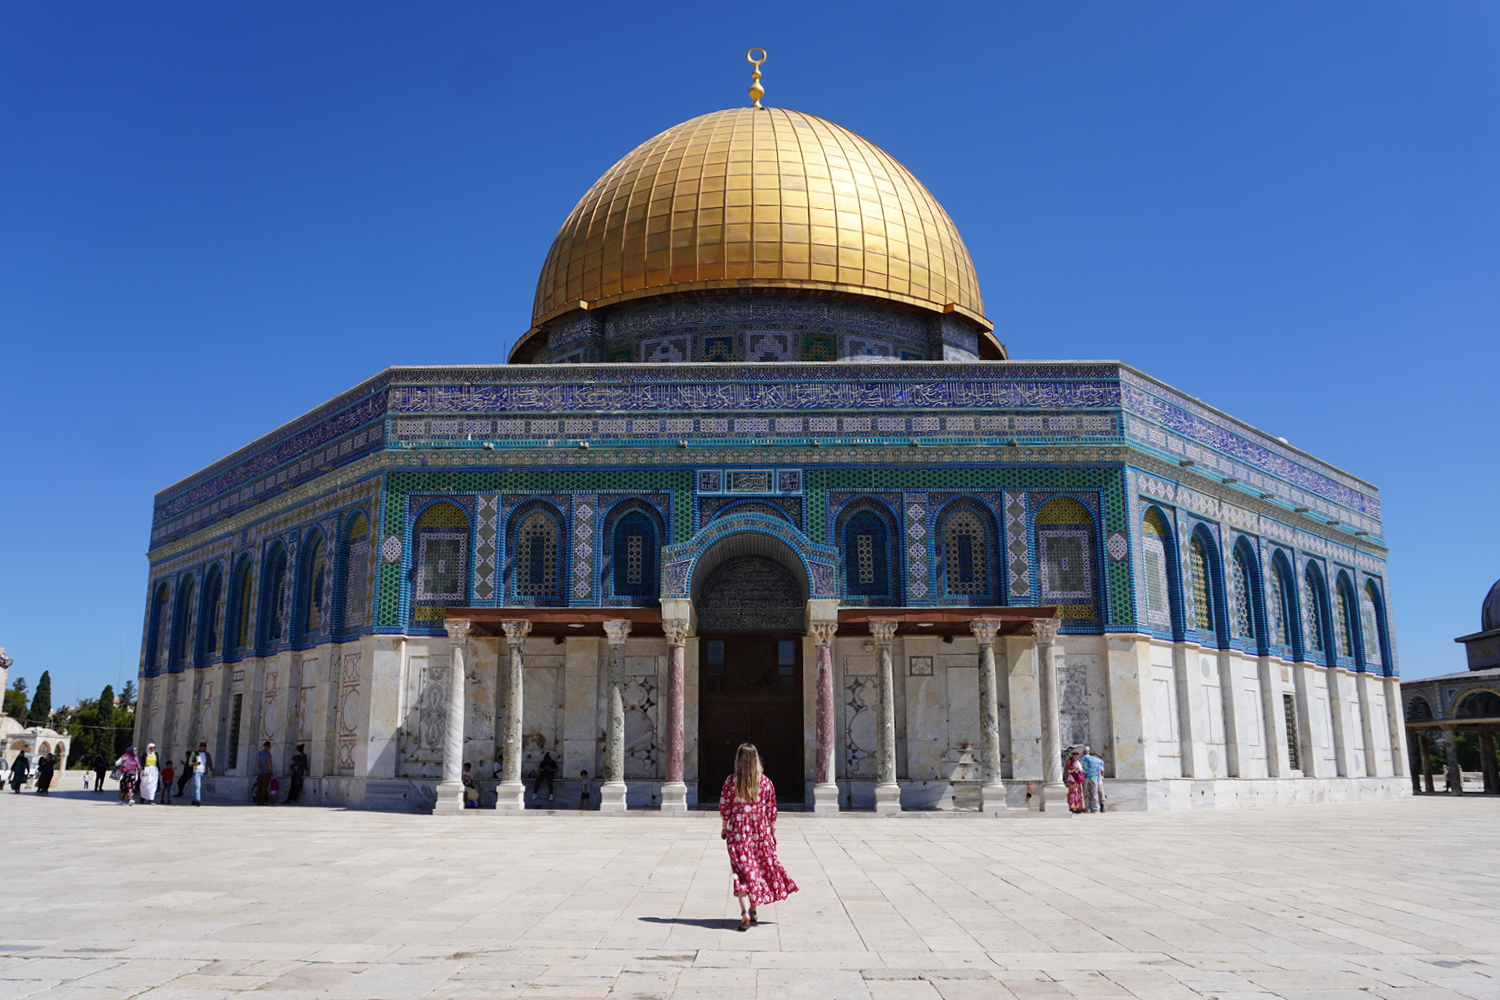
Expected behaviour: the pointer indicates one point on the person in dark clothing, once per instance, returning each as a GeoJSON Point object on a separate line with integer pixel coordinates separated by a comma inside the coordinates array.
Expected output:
{"type": "Point", "coordinates": [300, 766]}
{"type": "Point", "coordinates": [263, 771]}
{"type": "Point", "coordinates": [19, 772]}
{"type": "Point", "coordinates": [100, 765]}
{"type": "Point", "coordinates": [44, 768]}
{"type": "Point", "coordinates": [187, 775]}
{"type": "Point", "coordinates": [545, 771]}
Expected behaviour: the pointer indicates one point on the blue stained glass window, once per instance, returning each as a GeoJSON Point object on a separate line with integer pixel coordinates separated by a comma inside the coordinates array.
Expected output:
{"type": "Point", "coordinates": [866, 565]}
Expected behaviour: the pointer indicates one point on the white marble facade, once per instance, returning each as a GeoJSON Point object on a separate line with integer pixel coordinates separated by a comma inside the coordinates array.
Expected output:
{"type": "Point", "coordinates": [1178, 726]}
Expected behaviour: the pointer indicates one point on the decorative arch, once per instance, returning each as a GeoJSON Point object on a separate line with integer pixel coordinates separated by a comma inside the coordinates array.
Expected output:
{"type": "Point", "coordinates": [1346, 631]}
{"type": "Point", "coordinates": [751, 507]}
{"type": "Point", "coordinates": [1377, 636]}
{"type": "Point", "coordinates": [1478, 703]}
{"type": "Point", "coordinates": [1285, 617]}
{"type": "Point", "coordinates": [182, 620]}
{"type": "Point", "coordinates": [683, 566]}
{"type": "Point", "coordinates": [274, 609]}
{"type": "Point", "coordinates": [356, 554]}
{"type": "Point", "coordinates": [439, 575]}
{"type": "Point", "coordinates": [1067, 558]}
{"type": "Point", "coordinates": [1418, 709]}
{"type": "Point", "coordinates": [967, 553]}
{"type": "Point", "coordinates": [1316, 636]}
{"type": "Point", "coordinates": [314, 588]}
{"type": "Point", "coordinates": [1159, 576]}
{"type": "Point", "coordinates": [210, 627]}
{"type": "Point", "coordinates": [870, 565]}
{"type": "Point", "coordinates": [1206, 578]}
{"type": "Point", "coordinates": [238, 628]}
{"type": "Point", "coordinates": [633, 533]}
{"type": "Point", "coordinates": [156, 623]}
{"type": "Point", "coordinates": [537, 564]}
{"type": "Point", "coordinates": [1247, 592]}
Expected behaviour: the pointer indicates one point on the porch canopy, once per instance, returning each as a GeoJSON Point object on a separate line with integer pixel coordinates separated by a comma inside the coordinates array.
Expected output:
{"type": "Point", "coordinates": [553, 622]}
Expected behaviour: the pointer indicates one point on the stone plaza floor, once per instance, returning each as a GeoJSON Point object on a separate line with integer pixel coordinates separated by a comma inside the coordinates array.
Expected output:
{"type": "Point", "coordinates": [101, 902]}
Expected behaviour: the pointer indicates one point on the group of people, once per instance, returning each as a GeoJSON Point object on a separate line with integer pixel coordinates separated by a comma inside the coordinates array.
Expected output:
{"type": "Point", "coordinates": [266, 788]}
{"type": "Point", "coordinates": [546, 772]}
{"type": "Point", "coordinates": [20, 772]}
{"type": "Point", "coordinates": [1083, 774]}
{"type": "Point", "coordinates": [148, 777]}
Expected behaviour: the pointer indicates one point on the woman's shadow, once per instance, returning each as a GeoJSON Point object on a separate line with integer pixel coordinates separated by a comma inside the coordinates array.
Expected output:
{"type": "Point", "coordinates": [711, 923]}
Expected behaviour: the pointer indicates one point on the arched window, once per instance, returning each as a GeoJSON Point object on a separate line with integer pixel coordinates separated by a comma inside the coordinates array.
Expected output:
{"type": "Point", "coordinates": [1244, 605]}
{"type": "Point", "coordinates": [157, 628]}
{"type": "Point", "coordinates": [182, 619]}
{"type": "Point", "coordinates": [633, 556]}
{"type": "Point", "coordinates": [1479, 704]}
{"type": "Point", "coordinates": [357, 553]}
{"type": "Point", "coordinates": [442, 534]}
{"type": "Point", "coordinates": [1418, 710]}
{"type": "Point", "coordinates": [1372, 618]}
{"type": "Point", "coordinates": [1065, 554]}
{"type": "Point", "coordinates": [536, 556]}
{"type": "Point", "coordinates": [867, 556]}
{"type": "Point", "coordinates": [1312, 611]}
{"type": "Point", "coordinates": [1155, 543]}
{"type": "Point", "coordinates": [1345, 618]}
{"type": "Point", "coordinates": [273, 598]}
{"type": "Point", "coordinates": [239, 595]}
{"type": "Point", "coordinates": [315, 588]}
{"type": "Point", "coordinates": [1282, 605]}
{"type": "Point", "coordinates": [965, 559]}
{"type": "Point", "coordinates": [1203, 585]}
{"type": "Point", "coordinates": [209, 628]}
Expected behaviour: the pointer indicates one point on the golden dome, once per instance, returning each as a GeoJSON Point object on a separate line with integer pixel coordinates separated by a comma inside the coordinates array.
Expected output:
{"type": "Point", "coordinates": [758, 198]}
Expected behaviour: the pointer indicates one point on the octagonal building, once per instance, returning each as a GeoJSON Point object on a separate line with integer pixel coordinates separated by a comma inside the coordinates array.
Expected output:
{"type": "Point", "coordinates": [760, 471]}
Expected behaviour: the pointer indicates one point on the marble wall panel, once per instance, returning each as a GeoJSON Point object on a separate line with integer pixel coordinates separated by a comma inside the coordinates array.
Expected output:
{"type": "Point", "coordinates": [860, 697]}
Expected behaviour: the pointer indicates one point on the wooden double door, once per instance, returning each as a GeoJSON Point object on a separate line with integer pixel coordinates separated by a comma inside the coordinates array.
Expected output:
{"type": "Point", "coordinates": [750, 691]}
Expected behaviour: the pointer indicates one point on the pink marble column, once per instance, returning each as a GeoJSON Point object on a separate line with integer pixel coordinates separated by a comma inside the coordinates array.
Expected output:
{"type": "Point", "coordinates": [674, 790]}
{"type": "Point", "coordinates": [825, 789]}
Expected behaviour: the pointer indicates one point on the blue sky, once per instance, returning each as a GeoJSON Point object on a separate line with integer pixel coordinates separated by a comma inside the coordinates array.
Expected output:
{"type": "Point", "coordinates": [215, 216]}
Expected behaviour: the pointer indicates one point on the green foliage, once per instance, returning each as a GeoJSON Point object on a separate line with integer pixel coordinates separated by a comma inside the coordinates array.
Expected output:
{"type": "Point", "coordinates": [15, 704]}
{"type": "Point", "coordinates": [126, 701]}
{"type": "Point", "coordinates": [41, 702]}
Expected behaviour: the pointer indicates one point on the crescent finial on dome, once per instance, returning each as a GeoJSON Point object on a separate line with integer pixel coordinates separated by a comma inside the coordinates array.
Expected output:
{"type": "Point", "coordinates": [756, 90]}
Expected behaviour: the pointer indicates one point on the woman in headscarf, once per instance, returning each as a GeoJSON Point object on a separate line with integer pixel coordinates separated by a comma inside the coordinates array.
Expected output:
{"type": "Point", "coordinates": [747, 807]}
{"type": "Point", "coordinates": [129, 767]}
{"type": "Point", "coordinates": [1073, 778]}
{"type": "Point", "coordinates": [149, 775]}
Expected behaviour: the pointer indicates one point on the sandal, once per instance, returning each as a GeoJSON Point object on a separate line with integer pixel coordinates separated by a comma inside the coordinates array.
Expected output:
{"type": "Point", "coordinates": [744, 922]}
{"type": "Point", "coordinates": [752, 915]}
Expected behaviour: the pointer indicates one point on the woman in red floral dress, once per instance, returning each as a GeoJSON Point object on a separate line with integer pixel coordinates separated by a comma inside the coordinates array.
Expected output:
{"type": "Point", "coordinates": [747, 806]}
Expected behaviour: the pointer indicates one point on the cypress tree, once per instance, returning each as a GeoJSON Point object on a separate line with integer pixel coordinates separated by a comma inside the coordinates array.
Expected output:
{"type": "Point", "coordinates": [41, 702]}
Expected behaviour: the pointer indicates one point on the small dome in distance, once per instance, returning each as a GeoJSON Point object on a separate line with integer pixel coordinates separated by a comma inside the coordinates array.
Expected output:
{"type": "Point", "coordinates": [1489, 617]}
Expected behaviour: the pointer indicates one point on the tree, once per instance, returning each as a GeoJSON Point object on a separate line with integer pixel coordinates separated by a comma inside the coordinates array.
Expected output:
{"type": "Point", "coordinates": [126, 701]}
{"type": "Point", "coordinates": [41, 702]}
{"type": "Point", "coordinates": [15, 700]}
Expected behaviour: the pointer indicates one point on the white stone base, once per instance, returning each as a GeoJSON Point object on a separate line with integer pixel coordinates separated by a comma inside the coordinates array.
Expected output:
{"type": "Point", "coordinates": [1225, 793]}
{"type": "Point", "coordinates": [826, 798]}
{"type": "Point", "coordinates": [992, 800]}
{"type": "Point", "coordinates": [450, 799]}
{"type": "Point", "coordinates": [612, 797]}
{"type": "Point", "coordinates": [888, 798]}
{"type": "Point", "coordinates": [1054, 800]}
{"type": "Point", "coordinates": [510, 797]}
{"type": "Point", "coordinates": [674, 798]}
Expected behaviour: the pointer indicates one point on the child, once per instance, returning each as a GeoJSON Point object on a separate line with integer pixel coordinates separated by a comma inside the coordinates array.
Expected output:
{"type": "Point", "coordinates": [166, 783]}
{"type": "Point", "coordinates": [471, 789]}
{"type": "Point", "coordinates": [583, 803]}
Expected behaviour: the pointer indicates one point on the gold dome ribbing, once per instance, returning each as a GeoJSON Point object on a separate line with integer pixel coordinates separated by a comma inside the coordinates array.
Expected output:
{"type": "Point", "coordinates": [765, 198]}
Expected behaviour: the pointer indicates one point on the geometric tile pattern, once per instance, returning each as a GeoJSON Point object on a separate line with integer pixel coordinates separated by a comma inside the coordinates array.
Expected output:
{"type": "Point", "coordinates": [584, 506]}
{"type": "Point", "coordinates": [486, 550]}
{"type": "Point", "coordinates": [1017, 547]}
{"type": "Point", "coordinates": [918, 549]}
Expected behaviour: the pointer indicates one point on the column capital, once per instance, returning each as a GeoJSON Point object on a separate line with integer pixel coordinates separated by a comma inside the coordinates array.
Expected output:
{"type": "Point", "coordinates": [516, 630]}
{"type": "Point", "coordinates": [458, 629]}
{"type": "Point", "coordinates": [822, 632]}
{"type": "Point", "coordinates": [1044, 630]}
{"type": "Point", "coordinates": [676, 630]}
{"type": "Point", "coordinates": [884, 630]}
{"type": "Point", "coordinates": [985, 630]}
{"type": "Point", "coordinates": [617, 629]}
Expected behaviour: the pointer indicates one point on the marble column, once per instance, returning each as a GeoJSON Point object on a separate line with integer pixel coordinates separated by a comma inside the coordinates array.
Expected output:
{"type": "Point", "coordinates": [887, 791]}
{"type": "Point", "coordinates": [450, 791]}
{"type": "Point", "coordinates": [991, 788]}
{"type": "Point", "coordinates": [612, 792]}
{"type": "Point", "coordinates": [674, 789]}
{"type": "Point", "coordinates": [1426, 760]}
{"type": "Point", "coordinates": [510, 797]}
{"type": "Point", "coordinates": [825, 788]}
{"type": "Point", "coordinates": [1054, 797]}
{"type": "Point", "coordinates": [1487, 761]}
{"type": "Point", "coordinates": [1414, 748]}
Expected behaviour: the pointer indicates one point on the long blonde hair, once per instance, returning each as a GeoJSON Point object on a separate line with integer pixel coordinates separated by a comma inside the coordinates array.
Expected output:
{"type": "Point", "coordinates": [747, 773]}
